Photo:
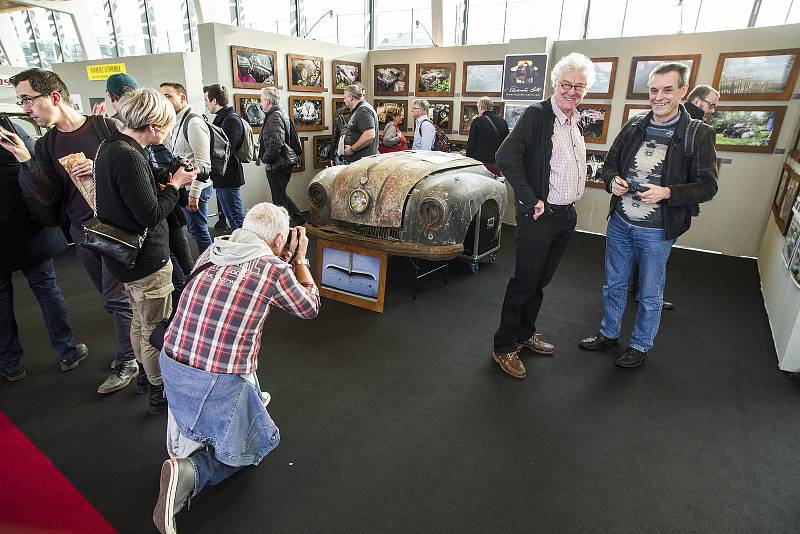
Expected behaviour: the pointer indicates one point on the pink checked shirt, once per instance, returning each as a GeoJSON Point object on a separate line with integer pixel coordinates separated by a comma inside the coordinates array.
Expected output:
{"type": "Point", "coordinates": [568, 162]}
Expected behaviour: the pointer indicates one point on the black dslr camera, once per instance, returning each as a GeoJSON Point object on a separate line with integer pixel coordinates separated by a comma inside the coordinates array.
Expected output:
{"type": "Point", "coordinates": [176, 163]}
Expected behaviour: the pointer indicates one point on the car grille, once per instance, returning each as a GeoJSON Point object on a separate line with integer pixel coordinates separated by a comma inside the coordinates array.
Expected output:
{"type": "Point", "coordinates": [379, 232]}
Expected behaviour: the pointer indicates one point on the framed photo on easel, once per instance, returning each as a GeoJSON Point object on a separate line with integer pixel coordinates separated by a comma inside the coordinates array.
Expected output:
{"type": "Point", "coordinates": [351, 274]}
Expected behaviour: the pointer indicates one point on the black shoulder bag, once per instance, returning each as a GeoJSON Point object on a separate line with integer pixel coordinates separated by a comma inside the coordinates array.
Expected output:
{"type": "Point", "coordinates": [157, 335]}
{"type": "Point", "coordinates": [108, 240]}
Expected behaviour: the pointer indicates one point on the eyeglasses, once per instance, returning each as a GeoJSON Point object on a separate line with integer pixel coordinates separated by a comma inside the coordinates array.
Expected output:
{"type": "Point", "coordinates": [28, 100]}
{"type": "Point", "coordinates": [580, 87]}
{"type": "Point", "coordinates": [711, 106]}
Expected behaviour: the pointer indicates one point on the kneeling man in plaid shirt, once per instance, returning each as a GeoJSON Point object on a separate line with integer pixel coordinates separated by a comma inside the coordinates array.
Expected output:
{"type": "Point", "coordinates": [218, 422]}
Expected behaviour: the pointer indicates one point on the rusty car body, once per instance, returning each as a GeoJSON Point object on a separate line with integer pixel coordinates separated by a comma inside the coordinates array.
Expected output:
{"type": "Point", "coordinates": [414, 203]}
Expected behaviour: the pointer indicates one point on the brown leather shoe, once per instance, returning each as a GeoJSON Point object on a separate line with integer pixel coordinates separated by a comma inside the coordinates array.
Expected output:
{"type": "Point", "coordinates": [509, 362]}
{"type": "Point", "coordinates": [538, 346]}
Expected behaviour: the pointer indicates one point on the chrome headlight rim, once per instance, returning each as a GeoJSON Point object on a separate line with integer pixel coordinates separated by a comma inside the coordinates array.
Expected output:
{"type": "Point", "coordinates": [359, 201]}
{"type": "Point", "coordinates": [317, 195]}
{"type": "Point", "coordinates": [431, 211]}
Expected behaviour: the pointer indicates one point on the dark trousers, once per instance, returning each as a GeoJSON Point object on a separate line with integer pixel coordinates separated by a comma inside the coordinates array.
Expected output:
{"type": "Point", "coordinates": [42, 281]}
{"type": "Point", "coordinates": [540, 245]}
{"type": "Point", "coordinates": [278, 180]}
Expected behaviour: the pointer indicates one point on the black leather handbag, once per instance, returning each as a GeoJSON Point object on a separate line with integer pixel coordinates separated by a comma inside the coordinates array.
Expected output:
{"type": "Point", "coordinates": [108, 240]}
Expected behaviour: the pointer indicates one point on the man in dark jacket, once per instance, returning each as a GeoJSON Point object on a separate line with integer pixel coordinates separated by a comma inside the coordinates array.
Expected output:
{"type": "Point", "coordinates": [61, 175]}
{"type": "Point", "coordinates": [28, 246]}
{"type": "Point", "coordinates": [486, 133]}
{"type": "Point", "coordinates": [702, 102]}
{"type": "Point", "coordinates": [655, 189]}
{"type": "Point", "coordinates": [275, 153]}
{"type": "Point", "coordinates": [229, 185]}
{"type": "Point", "coordinates": [544, 160]}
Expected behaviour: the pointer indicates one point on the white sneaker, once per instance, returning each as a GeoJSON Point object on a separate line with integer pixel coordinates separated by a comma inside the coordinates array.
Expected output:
{"type": "Point", "coordinates": [265, 398]}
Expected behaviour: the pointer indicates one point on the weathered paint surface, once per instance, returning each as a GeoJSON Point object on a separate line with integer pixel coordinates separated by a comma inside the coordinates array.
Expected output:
{"type": "Point", "coordinates": [387, 179]}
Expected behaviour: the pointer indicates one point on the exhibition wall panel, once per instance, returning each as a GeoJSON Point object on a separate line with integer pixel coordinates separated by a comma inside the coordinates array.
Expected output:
{"type": "Point", "coordinates": [733, 222]}
{"type": "Point", "coordinates": [217, 67]}
{"type": "Point", "coordinates": [7, 94]}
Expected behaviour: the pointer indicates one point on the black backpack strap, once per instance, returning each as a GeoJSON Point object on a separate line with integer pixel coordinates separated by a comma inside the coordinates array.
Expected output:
{"type": "Point", "coordinates": [188, 117]}
{"type": "Point", "coordinates": [689, 137]}
{"type": "Point", "coordinates": [492, 124]}
{"type": "Point", "coordinates": [197, 271]}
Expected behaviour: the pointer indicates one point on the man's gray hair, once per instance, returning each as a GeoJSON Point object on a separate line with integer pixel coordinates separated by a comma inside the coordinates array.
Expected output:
{"type": "Point", "coordinates": [422, 104]}
{"type": "Point", "coordinates": [485, 103]}
{"type": "Point", "coordinates": [267, 220]}
{"type": "Point", "coordinates": [355, 90]}
{"type": "Point", "coordinates": [273, 95]}
{"type": "Point", "coordinates": [680, 68]}
{"type": "Point", "coordinates": [143, 107]}
{"type": "Point", "coordinates": [701, 92]}
{"type": "Point", "coordinates": [573, 62]}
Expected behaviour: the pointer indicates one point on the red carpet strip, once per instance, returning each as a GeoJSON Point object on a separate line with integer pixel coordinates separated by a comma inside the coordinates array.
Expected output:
{"type": "Point", "coordinates": [35, 496]}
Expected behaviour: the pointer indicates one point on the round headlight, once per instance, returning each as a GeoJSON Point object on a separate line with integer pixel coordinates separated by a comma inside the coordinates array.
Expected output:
{"type": "Point", "coordinates": [431, 211]}
{"type": "Point", "coordinates": [359, 201]}
{"type": "Point", "coordinates": [317, 195]}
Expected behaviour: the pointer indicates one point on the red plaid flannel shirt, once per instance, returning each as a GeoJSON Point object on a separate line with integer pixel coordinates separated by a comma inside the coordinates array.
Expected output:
{"type": "Point", "coordinates": [221, 313]}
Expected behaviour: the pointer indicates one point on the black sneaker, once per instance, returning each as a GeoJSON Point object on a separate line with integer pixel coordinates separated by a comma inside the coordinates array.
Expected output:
{"type": "Point", "coordinates": [221, 225]}
{"type": "Point", "coordinates": [121, 376]}
{"type": "Point", "coordinates": [81, 352]}
{"type": "Point", "coordinates": [175, 489]}
{"type": "Point", "coordinates": [158, 401]}
{"type": "Point", "coordinates": [17, 374]}
{"type": "Point", "coordinates": [631, 358]}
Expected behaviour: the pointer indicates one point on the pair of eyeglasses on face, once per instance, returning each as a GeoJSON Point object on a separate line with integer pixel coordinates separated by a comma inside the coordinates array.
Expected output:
{"type": "Point", "coordinates": [27, 101]}
{"type": "Point", "coordinates": [566, 86]}
{"type": "Point", "coordinates": [711, 105]}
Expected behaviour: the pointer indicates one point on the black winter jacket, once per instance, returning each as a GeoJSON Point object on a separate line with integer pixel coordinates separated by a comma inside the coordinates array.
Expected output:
{"type": "Point", "coordinates": [524, 156]}
{"type": "Point", "coordinates": [231, 124]}
{"type": "Point", "coordinates": [691, 180]}
{"type": "Point", "coordinates": [484, 140]}
{"type": "Point", "coordinates": [272, 139]}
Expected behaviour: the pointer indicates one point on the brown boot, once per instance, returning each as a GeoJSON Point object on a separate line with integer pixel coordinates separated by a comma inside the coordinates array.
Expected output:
{"type": "Point", "coordinates": [509, 362]}
{"type": "Point", "coordinates": [538, 346]}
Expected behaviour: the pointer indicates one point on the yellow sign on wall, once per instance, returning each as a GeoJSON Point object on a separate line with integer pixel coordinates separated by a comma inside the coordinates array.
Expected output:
{"type": "Point", "coordinates": [102, 72]}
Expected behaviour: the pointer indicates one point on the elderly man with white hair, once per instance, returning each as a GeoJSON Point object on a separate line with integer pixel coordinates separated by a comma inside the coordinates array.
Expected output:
{"type": "Point", "coordinates": [544, 160]}
{"type": "Point", "coordinates": [218, 422]}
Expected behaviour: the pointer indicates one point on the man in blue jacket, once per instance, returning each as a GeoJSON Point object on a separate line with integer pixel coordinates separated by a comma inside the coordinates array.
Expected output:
{"type": "Point", "coordinates": [659, 168]}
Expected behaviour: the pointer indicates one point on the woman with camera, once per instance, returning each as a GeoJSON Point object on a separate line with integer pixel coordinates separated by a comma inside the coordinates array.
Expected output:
{"type": "Point", "coordinates": [129, 198]}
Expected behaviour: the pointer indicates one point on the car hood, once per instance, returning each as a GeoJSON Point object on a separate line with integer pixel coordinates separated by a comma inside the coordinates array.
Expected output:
{"type": "Point", "coordinates": [387, 179]}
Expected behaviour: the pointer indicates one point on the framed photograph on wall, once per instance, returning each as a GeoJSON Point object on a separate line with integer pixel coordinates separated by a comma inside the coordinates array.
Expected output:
{"type": "Point", "coordinates": [783, 181]}
{"type": "Point", "coordinates": [606, 73]}
{"type": "Point", "coordinates": [336, 103]}
{"type": "Point", "coordinates": [790, 243]}
{"type": "Point", "coordinates": [305, 73]}
{"type": "Point", "coordinates": [302, 165]}
{"type": "Point", "coordinates": [345, 73]}
{"type": "Point", "coordinates": [594, 118]}
{"type": "Point", "coordinates": [382, 105]}
{"type": "Point", "coordinates": [391, 80]}
{"type": "Point", "coordinates": [469, 110]}
{"type": "Point", "coordinates": [441, 114]}
{"type": "Point", "coordinates": [747, 129]}
{"type": "Point", "coordinates": [762, 75]}
{"type": "Point", "coordinates": [350, 274]}
{"type": "Point", "coordinates": [322, 148]}
{"type": "Point", "coordinates": [784, 215]}
{"type": "Point", "coordinates": [254, 68]}
{"type": "Point", "coordinates": [307, 112]}
{"type": "Point", "coordinates": [633, 110]}
{"type": "Point", "coordinates": [524, 76]}
{"type": "Point", "coordinates": [641, 66]}
{"type": "Point", "coordinates": [435, 79]}
{"type": "Point", "coordinates": [248, 107]}
{"type": "Point", "coordinates": [594, 164]}
{"type": "Point", "coordinates": [482, 78]}
{"type": "Point", "coordinates": [512, 113]}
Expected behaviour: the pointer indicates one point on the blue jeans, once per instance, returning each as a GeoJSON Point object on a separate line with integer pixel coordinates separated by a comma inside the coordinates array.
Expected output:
{"type": "Point", "coordinates": [230, 200]}
{"type": "Point", "coordinates": [208, 471]}
{"type": "Point", "coordinates": [626, 244]}
{"type": "Point", "coordinates": [197, 221]}
{"type": "Point", "coordinates": [42, 281]}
